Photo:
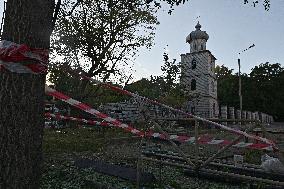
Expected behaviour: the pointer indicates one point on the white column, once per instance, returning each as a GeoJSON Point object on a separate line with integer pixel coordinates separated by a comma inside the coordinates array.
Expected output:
{"type": "Point", "coordinates": [253, 116]}
{"type": "Point", "coordinates": [244, 114]}
{"type": "Point", "coordinates": [262, 117]}
{"type": "Point", "coordinates": [238, 114]}
{"type": "Point", "coordinates": [257, 117]}
{"type": "Point", "coordinates": [249, 116]}
{"type": "Point", "coordinates": [224, 113]}
{"type": "Point", "coordinates": [232, 113]}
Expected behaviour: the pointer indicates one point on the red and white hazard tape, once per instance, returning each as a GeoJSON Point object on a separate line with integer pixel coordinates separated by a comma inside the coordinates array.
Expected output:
{"type": "Point", "coordinates": [125, 92]}
{"type": "Point", "coordinates": [209, 140]}
{"type": "Point", "coordinates": [182, 139]}
{"type": "Point", "coordinates": [22, 59]}
{"type": "Point", "coordinates": [91, 122]}
{"type": "Point", "coordinates": [88, 109]}
{"type": "Point", "coordinates": [178, 138]}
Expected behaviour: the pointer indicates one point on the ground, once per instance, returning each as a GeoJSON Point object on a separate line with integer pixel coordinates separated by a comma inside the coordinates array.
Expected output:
{"type": "Point", "coordinates": [64, 146]}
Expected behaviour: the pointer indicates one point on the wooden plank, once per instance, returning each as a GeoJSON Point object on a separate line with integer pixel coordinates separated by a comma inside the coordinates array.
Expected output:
{"type": "Point", "coordinates": [123, 172]}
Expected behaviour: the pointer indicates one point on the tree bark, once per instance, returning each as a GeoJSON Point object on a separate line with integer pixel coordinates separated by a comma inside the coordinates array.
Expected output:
{"type": "Point", "coordinates": [22, 97]}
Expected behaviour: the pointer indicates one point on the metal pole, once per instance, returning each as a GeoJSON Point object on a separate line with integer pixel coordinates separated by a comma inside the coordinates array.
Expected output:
{"type": "Point", "coordinates": [240, 82]}
{"type": "Point", "coordinates": [240, 88]}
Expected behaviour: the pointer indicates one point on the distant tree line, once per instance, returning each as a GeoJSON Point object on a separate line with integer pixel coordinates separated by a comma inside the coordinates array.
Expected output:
{"type": "Point", "coordinates": [262, 89]}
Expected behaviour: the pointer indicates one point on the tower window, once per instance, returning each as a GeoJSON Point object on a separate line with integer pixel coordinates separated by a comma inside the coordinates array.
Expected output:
{"type": "Point", "coordinates": [213, 87]}
{"type": "Point", "coordinates": [201, 47]}
{"type": "Point", "coordinates": [193, 64]}
{"type": "Point", "coordinates": [193, 84]}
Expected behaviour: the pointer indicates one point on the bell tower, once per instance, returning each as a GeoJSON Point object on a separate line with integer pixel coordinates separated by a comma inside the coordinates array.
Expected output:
{"type": "Point", "coordinates": [198, 77]}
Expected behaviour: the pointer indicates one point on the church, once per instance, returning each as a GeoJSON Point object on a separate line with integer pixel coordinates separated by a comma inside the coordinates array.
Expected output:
{"type": "Point", "coordinates": [198, 78]}
{"type": "Point", "coordinates": [199, 84]}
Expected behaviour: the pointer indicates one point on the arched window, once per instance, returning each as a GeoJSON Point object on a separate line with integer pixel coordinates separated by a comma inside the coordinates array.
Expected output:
{"type": "Point", "coordinates": [213, 87]}
{"type": "Point", "coordinates": [194, 46]}
{"type": "Point", "coordinates": [201, 47]}
{"type": "Point", "coordinates": [193, 84]}
{"type": "Point", "coordinates": [193, 64]}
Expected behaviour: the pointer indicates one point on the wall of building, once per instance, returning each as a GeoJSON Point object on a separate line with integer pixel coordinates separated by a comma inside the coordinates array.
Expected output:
{"type": "Point", "coordinates": [205, 95]}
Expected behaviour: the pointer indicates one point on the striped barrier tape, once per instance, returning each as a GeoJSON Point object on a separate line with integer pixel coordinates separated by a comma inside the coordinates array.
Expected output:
{"type": "Point", "coordinates": [91, 122]}
{"type": "Point", "coordinates": [209, 140]}
{"type": "Point", "coordinates": [125, 92]}
{"type": "Point", "coordinates": [22, 59]}
{"type": "Point", "coordinates": [88, 109]}
{"type": "Point", "coordinates": [128, 128]}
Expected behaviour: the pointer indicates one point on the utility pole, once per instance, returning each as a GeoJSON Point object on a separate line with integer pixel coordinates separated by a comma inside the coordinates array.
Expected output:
{"type": "Point", "coordinates": [240, 88]}
{"type": "Point", "coordinates": [240, 81]}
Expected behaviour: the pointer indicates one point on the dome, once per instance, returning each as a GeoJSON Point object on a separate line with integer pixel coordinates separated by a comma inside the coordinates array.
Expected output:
{"type": "Point", "coordinates": [197, 34]}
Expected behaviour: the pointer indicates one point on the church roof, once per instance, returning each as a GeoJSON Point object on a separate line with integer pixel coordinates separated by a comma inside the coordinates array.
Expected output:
{"type": "Point", "coordinates": [197, 34]}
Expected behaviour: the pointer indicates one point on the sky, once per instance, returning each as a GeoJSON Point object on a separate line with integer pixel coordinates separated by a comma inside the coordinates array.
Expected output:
{"type": "Point", "coordinates": [232, 27]}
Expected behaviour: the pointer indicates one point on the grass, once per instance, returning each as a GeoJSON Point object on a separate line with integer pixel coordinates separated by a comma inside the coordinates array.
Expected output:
{"type": "Point", "coordinates": [78, 139]}
{"type": "Point", "coordinates": [63, 146]}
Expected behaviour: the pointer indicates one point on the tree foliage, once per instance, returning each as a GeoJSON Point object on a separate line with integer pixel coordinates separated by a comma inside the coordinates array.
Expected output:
{"type": "Point", "coordinates": [172, 3]}
{"type": "Point", "coordinates": [262, 89]}
{"type": "Point", "coordinates": [222, 72]}
{"type": "Point", "coordinates": [171, 71]}
{"type": "Point", "coordinates": [164, 88]}
{"type": "Point", "coordinates": [266, 71]}
{"type": "Point", "coordinates": [254, 3]}
{"type": "Point", "coordinates": [102, 36]}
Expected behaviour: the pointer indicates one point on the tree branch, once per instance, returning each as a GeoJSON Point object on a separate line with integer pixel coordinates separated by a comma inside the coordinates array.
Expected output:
{"type": "Point", "coordinates": [73, 8]}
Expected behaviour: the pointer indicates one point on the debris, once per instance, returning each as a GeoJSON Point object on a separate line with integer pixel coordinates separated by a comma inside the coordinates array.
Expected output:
{"type": "Point", "coordinates": [271, 164]}
{"type": "Point", "coordinates": [238, 160]}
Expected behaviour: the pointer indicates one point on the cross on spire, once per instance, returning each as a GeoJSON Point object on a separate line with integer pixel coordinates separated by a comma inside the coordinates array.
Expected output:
{"type": "Point", "coordinates": [197, 18]}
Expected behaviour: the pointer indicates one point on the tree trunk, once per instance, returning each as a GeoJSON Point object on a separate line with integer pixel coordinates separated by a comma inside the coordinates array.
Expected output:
{"type": "Point", "coordinates": [22, 97]}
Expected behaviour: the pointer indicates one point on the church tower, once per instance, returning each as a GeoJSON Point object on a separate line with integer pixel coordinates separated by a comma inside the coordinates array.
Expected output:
{"type": "Point", "coordinates": [198, 77]}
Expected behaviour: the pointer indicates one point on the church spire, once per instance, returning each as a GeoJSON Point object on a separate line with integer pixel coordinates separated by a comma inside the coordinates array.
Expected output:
{"type": "Point", "coordinates": [197, 39]}
{"type": "Point", "coordinates": [198, 26]}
